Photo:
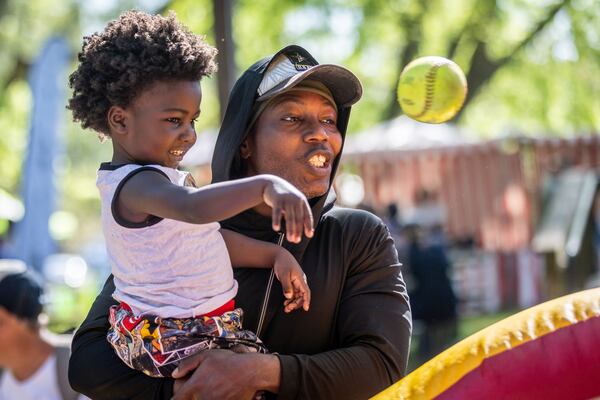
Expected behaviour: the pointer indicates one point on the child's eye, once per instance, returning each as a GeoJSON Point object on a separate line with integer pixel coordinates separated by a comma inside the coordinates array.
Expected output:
{"type": "Point", "coordinates": [193, 122]}
{"type": "Point", "coordinates": [174, 120]}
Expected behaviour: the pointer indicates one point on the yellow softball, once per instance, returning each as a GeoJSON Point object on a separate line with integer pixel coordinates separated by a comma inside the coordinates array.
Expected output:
{"type": "Point", "coordinates": [432, 89]}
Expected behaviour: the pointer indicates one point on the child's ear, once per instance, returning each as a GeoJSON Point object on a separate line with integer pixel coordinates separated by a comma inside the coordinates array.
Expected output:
{"type": "Point", "coordinates": [117, 120]}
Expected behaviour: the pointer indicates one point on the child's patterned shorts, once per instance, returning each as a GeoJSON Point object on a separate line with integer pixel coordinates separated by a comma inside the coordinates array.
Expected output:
{"type": "Point", "coordinates": [155, 345]}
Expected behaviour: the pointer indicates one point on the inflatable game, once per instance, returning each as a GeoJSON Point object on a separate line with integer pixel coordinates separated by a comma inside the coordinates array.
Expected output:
{"type": "Point", "coordinates": [550, 351]}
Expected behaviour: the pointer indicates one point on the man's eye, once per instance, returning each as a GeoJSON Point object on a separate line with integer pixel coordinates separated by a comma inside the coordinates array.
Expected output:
{"type": "Point", "coordinates": [328, 121]}
{"type": "Point", "coordinates": [291, 119]}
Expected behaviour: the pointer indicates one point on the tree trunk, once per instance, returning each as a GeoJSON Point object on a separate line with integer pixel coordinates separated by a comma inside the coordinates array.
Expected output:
{"type": "Point", "coordinates": [404, 57]}
{"type": "Point", "coordinates": [226, 58]}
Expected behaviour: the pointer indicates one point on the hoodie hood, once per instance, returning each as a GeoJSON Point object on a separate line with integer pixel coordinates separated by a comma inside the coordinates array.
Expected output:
{"type": "Point", "coordinates": [226, 162]}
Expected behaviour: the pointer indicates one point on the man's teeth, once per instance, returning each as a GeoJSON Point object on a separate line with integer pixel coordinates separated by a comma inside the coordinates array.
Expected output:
{"type": "Point", "coordinates": [317, 161]}
{"type": "Point", "coordinates": [176, 152]}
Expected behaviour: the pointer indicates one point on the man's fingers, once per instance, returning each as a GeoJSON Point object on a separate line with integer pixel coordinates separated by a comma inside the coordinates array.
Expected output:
{"type": "Point", "coordinates": [187, 365]}
{"type": "Point", "coordinates": [221, 375]}
{"type": "Point", "coordinates": [184, 393]}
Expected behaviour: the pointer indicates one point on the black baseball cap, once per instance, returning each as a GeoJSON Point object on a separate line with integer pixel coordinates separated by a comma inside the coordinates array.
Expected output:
{"type": "Point", "coordinates": [20, 290]}
{"type": "Point", "coordinates": [293, 64]}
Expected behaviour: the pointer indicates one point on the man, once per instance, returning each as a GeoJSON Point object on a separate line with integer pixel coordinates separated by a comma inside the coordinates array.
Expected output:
{"type": "Point", "coordinates": [33, 367]}
{"type": "Point", "coordinates": [286, 116]}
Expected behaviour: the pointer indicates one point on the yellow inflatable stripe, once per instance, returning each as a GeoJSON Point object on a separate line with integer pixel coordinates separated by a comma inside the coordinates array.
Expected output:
{"type": "Point", "coordinates": [444, 370]}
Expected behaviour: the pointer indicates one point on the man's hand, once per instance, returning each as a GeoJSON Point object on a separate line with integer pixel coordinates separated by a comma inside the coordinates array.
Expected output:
{"type": "Point", "coordinates": [223, 374]}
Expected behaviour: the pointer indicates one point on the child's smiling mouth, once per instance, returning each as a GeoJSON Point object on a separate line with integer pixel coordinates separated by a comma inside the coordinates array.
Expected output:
{"type": "Point", "coordinates": [177, 153]}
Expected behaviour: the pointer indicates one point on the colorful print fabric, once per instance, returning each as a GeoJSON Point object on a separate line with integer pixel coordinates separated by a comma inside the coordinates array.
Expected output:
{"type": "Point", "coordinates": [155, 345]}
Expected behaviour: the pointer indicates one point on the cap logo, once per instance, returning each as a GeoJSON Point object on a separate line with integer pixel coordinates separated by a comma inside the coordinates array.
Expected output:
{"type": "Point", "coordinates": [297, 59]}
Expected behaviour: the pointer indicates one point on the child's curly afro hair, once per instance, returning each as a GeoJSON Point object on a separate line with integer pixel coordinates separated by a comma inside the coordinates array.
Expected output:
{"type": "Point", "coordinates": [131, 53]}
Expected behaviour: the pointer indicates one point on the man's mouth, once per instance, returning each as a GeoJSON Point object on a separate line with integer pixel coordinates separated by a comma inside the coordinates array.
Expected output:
{"type": "Point", "coordinates": [319, 160]}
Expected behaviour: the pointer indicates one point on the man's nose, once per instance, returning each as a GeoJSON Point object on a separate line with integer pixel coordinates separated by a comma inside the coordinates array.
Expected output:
{"type": "Point", "coordinates": [315, 131]}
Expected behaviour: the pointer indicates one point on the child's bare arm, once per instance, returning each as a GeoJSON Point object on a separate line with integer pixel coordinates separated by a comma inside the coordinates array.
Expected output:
{"type": "Point", "coordinates": [150, 193]}
{"type": "Point", "coordinates": [249, 253]}
{"type": "Point", "coordinates": [252, 253]}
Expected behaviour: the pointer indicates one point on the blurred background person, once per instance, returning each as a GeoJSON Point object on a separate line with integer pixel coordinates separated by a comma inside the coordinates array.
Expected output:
{"type": "Point", "coordinates": [391, 217]}
{"type": "Point", "coordinates": [432, 298]}
{"type": "Point", "coordinates": [33, 364]}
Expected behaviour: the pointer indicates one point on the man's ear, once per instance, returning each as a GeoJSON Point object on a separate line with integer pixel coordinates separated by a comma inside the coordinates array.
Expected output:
{"type": "Point", "coordinates": [245, 148]}
{"type": "Point", "coordinates": [117, 120]}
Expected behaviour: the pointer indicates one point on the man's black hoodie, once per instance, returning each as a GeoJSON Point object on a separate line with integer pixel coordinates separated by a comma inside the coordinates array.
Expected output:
{"type": "Point", "coordinates": [351, 344]}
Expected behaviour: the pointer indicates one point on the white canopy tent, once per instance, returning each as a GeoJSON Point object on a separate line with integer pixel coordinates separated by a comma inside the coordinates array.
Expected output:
{"type": "Point", "coordinates": [403, 133]}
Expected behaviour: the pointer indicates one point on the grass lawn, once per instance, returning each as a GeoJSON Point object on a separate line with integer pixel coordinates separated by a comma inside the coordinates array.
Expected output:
{"type": "Point", "coordinates": [469, 325]}
{"type": "Point", "coordinates": [466, 327]}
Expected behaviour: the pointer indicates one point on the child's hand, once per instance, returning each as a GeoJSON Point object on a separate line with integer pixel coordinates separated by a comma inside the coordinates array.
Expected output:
{"type": "Point", "coordinates": [289, 202]}
{"type": "Point", "coordinates": [293, 281]}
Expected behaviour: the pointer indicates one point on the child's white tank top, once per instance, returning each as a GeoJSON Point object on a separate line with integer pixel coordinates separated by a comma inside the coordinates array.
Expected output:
{"type": "Point", "coordinates": [161, 266]}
